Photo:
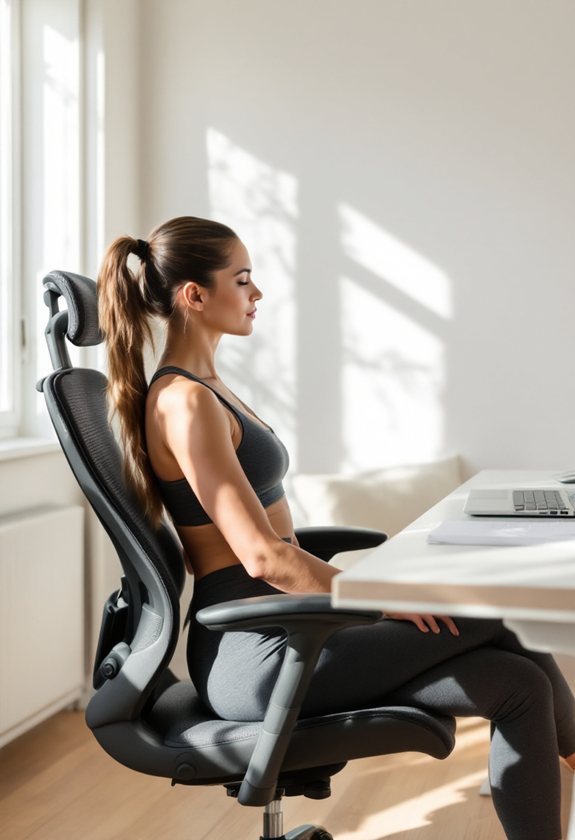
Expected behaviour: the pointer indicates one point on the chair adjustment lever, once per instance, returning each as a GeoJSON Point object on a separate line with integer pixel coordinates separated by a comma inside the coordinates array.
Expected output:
{"type": "Point", "coordinates": [114, 661]}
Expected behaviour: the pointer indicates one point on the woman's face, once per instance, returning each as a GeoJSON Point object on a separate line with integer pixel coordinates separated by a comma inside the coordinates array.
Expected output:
{"type": "Point", "coordinates": [230, 305]}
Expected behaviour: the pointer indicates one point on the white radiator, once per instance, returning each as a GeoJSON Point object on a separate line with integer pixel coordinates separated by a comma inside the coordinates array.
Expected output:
{"type": "Point", "coordinates": [41, 615]}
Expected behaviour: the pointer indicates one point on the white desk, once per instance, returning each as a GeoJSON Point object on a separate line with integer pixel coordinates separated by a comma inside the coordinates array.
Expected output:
{"type": "Point", "coordinates": [532, 589]}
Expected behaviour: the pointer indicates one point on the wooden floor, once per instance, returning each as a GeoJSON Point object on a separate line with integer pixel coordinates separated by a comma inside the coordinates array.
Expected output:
{"type": "Point", "coordinates": [57, 784]}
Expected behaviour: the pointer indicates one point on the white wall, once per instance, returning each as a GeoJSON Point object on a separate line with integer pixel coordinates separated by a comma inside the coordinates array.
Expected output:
{"type": "Point", "coordinates": [111, 195]}
{"type": "Point", "coordinates": [36, 482]}
{"type": "Point", "coordinates": [403, 175]}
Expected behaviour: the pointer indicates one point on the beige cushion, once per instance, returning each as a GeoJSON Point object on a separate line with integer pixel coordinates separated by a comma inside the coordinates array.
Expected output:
{"type": "Point", "coordinates": [387, 499]}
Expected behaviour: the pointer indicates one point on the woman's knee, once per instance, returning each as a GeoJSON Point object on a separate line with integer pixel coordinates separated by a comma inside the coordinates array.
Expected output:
{"type": "Point", "coordinates": [491, 683]}
{"type": "Point", "coordinates": [519, 687]}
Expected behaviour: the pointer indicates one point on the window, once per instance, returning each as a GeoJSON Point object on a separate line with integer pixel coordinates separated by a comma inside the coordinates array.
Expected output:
{"type": "Point", "coordinates": [41, 215]}
{"type": "Point", "coordinates": [9, 304]}
{"type": "Point", "coordinates": [62, 68]}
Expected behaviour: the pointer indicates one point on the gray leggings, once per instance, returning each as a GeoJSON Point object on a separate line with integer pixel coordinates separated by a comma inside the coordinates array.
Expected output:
{"type": "Point", "coordinates": [483, 672]}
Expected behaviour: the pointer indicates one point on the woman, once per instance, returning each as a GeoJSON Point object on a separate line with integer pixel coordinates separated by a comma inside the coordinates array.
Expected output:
{"type": "Point", "coordinates": [196, 449]}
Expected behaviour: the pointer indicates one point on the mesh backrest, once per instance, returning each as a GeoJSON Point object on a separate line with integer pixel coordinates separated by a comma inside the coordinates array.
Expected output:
{"type": "Point", "coordinates": [79, 397]}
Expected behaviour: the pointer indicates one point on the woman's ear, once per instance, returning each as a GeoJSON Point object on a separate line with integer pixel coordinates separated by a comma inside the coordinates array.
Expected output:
{"type": "Point", "coordinates": [193, 295]}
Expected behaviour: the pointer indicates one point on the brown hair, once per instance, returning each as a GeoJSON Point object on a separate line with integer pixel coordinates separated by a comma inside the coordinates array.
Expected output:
{"type": "Point", "coordinates": [185, 248]}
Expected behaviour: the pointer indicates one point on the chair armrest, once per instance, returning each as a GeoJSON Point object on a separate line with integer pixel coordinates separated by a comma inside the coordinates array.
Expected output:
{"type": "Point", "coordinates": [325, 541]}
{"type": "Point", "coordinates": [281, 611]}
{"type": "Point", "coordinates": [309, 620]}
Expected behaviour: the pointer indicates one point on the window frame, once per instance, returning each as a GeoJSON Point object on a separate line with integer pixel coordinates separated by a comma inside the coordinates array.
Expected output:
{"type": "Point", "coordinates": [10, 185]}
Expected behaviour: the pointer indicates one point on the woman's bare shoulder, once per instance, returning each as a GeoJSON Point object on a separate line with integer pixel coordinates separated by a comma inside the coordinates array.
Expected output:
{"type": "Point", "coordinates": [183, 404]}
{"type": "Point", "coordinates": [181, 394]}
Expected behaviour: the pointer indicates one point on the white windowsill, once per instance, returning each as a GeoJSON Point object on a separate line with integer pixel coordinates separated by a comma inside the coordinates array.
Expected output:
{"type": "Point", "coordinates": [26, 447]}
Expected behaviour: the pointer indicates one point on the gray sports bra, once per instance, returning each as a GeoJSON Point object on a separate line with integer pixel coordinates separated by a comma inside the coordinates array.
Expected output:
{"type": "Point", "coordinates": [263, 458]}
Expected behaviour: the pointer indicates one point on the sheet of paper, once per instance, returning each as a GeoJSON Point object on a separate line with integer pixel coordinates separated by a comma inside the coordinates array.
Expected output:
{"type": "Point", "coordinates": [486, 531]}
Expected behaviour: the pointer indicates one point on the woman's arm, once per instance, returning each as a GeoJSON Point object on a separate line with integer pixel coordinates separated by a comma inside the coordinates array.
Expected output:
{"type": "Point", "coordinates": [198, 432]}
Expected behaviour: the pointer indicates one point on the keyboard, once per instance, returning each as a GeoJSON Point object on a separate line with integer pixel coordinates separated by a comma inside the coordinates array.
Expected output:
{"type": "Point", "coordinates": [549, 501]}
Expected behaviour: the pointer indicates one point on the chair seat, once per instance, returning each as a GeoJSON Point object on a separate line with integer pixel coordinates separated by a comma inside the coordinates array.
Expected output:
{"type": "Point", "coordinates": [224, 747]}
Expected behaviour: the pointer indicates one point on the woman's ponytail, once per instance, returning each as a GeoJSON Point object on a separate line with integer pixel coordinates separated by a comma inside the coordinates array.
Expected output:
{"type": "Point", "coordinates": [124, 320]}
{"type": "Point", "coordinates": [176, 251]}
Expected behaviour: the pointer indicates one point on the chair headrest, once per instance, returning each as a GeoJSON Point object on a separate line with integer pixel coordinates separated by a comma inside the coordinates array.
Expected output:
{"type": "Point", "coordinates": [81, 299]}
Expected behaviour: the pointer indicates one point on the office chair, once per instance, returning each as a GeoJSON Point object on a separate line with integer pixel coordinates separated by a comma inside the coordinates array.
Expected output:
{"type": "Point", "coordinates": [140, 713]}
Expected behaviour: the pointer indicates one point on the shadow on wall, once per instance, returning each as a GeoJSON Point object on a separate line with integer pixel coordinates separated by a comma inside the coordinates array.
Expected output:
{"type": "Point", "coordinates": [401, 173]}
{"type": "Point", "coordinates": [351, 341]}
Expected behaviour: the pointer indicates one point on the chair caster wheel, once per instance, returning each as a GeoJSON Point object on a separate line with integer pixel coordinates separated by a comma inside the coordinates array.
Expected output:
{"type": "Point", "coordinates": [306, 832]}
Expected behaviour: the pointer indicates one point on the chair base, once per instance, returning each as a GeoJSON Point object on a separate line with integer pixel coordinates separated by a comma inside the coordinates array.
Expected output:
{"type": "Point", "coordinates": [273, 825]}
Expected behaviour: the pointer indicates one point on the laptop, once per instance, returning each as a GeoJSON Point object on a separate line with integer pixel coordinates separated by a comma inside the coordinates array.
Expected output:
{"type": "Point", "coordinates": [552, 502]}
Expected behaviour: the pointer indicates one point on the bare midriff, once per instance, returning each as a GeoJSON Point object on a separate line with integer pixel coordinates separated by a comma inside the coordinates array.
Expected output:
{"type": "Point", "coordinates": [208, 551]}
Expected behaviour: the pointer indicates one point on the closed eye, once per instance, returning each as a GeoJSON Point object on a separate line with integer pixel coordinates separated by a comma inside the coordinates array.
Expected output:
{"type": "Point", "coordinates": [247, 271]}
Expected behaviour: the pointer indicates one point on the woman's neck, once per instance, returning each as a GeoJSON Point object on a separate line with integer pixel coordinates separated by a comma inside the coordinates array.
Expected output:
{"type": "Point", "coordinates": [194, 353]}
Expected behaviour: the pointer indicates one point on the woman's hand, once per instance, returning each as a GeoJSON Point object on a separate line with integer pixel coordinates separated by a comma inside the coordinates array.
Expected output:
{"type": "Point", "coordinates": [425, 623]}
